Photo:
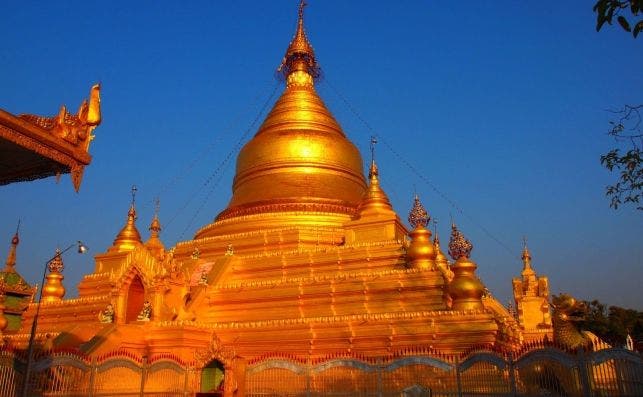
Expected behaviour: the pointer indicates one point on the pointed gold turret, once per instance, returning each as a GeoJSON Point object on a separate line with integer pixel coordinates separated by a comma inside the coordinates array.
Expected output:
{"type": "Point", "coordinates": [299, 169]}
{"type": "Point", "coordinates": [154, 243]}
{"type": "Point", "coordinates": [526, 261]}
{"type": "Point", "coordinates": [10, 264]}
{"type": "Point", "coordinates": [53, 290]}
{"type": "Point", "coordinates": [375, 201]}
{"type": "Point", "coordinates": [441, 260]}
{"type": "Point", "coordinates": [128, 238]}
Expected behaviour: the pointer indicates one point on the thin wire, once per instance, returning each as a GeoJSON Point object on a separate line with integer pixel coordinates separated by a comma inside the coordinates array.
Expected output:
{"type": "Point", "coordinates": [416, 172]}
{"type": "Point", "coordinates": [226, 161]}
{"type": "Point", "coordinates": [209, 179]}
{"type": "Point", "coordinates": [180, 175]}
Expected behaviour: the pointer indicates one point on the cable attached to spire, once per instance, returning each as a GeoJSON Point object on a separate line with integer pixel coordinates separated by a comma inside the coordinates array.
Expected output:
{"type": "Point", "coordinates": [416, 172]}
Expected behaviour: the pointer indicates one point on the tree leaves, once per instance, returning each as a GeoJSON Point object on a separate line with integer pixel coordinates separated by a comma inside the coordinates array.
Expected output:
{"type": "Point", "coordinates": [629, 185]}
{"type": "Point", "coordinates": [606, 10]}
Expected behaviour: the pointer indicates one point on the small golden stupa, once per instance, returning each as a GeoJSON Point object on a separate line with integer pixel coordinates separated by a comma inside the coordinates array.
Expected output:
{"type": "Point", "coordinates": [309, 259]}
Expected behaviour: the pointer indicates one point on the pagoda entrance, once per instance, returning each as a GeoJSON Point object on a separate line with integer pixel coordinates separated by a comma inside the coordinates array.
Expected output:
{"type": "Point", "coordinates": [135, 299]}
{"type": "Point", "coordinates": [212, 379]}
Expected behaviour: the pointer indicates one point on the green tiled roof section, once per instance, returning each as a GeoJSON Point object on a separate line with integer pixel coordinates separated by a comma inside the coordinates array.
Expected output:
{"type": "Point", "coordinates": [12, 278]}
{"type": "Point", "coordinates": [13, 322]}
{"type": "Point", "coordinates": [13, 302]}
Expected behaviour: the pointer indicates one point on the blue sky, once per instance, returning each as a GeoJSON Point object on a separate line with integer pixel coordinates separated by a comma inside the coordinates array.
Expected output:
{"type": "Point", "coordinates": [501, 106]}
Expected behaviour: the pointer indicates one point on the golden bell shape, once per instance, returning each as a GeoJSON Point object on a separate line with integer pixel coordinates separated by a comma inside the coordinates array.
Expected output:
{"type": "Point", "coordinates": [465, 289]}
{"type": "Point", "coordinates": [53, 290]}
{"type": "Point", "coordinates": [421, 252]}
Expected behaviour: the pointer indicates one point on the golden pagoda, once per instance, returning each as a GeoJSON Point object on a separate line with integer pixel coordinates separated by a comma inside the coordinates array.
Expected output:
{"type": "Point", "coordinates": [309, 259]}
{"type": "Point", "coordinates": [531, 294]}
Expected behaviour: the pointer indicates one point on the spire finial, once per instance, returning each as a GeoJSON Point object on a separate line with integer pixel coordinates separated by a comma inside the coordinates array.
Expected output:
{"type": "Point", "coordinates": [134, 190]}
{"type": "Point", "coordinates": [373, 143]}
{"type": "Point", "coordinates": [526, 256]}
{"type": "Point", "coordinates": [11, 258]}
{"type": "Point", "coordinates": [459, 246]}
{"type": "Point", "coordinates": [300, 56]}
{"type": "Point", "coordinates": [418, 217]}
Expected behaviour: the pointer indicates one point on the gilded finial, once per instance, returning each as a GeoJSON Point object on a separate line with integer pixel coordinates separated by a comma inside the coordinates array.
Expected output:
{"type": "Point", "coordinates": [134, 190]}
{"type": "Point", "coordinates": [526, 257]}
{"type": "Point", "coordinates": [154, 243]}
{"type": "Point", "coordinates": [300, 55]}
{"type": "Point", "coordinates": [129, 237]}
{"type": "Point", "coordinates": [459, 246]}
{"type": "Point", "coordinates": [11, 258]}
{"type": "Point", "coordinates": [418, 217]}
{"type": "Point", "coordinates": [56, 265]}
{"type": "Point", "coordinates": [53, 289]}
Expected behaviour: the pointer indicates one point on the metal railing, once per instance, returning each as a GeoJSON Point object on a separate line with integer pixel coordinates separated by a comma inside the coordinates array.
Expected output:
{"type": "Point", "coordinates": [538, 370]}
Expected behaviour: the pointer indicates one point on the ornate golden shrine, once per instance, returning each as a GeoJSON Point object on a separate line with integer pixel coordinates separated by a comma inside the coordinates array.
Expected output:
{"type": "Point", "coordinates": [308, 260]}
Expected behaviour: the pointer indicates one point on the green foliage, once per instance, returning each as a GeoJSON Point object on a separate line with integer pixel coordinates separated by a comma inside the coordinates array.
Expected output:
{"type": "Point", "coordinates": [613, 324]}
{"type": "Point", "coordinates": [606, 10]}
{"type": "Point", "coordinates": [626, 131]}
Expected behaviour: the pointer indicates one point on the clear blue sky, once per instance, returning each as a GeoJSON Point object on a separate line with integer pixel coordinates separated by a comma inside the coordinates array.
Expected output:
{"type": "Point", "coordinates": [501, 105]}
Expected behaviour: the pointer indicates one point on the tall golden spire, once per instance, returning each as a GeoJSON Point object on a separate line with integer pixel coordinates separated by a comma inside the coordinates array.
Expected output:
{"type": "Point", "coordinates": [11, 258]}
{"type": "Point", "coordinates": [300, 55]}
{"type": "Point", "coordinates": [129, 237]}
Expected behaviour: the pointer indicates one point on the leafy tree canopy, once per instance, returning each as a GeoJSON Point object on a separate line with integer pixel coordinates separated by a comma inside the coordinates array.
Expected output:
{"type": "Point", "coordinates": [613, 323]}
{"type": "Point", "coordinates": [606, 10]}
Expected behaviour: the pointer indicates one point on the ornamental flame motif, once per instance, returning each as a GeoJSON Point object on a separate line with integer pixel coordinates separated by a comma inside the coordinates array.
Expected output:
{"type": "Point", "coordinates": [56, 264]}
{"type": "Point", "coordinates": [418, 215]}
{"type": "Point", "coordinates": [459, 246]}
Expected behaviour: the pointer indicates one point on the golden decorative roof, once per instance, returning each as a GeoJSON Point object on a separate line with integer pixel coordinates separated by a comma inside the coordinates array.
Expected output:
{"type": "Point", "coordinates": [300, 159]}
{"type": "Point", "coordinates": [45, 146]}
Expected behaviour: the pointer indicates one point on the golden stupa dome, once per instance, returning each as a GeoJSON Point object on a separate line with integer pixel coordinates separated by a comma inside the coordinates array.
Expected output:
{"type": "Point", "coordinates": [299, 160]}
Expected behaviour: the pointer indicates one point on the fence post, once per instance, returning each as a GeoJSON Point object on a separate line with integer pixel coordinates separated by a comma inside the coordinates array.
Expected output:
{"type": "Point", "coordinates": [583, 372]}
{"type": "Point", "coordinates": [380, 388]}
{"type": "Point", "coordinates": [512, 375]}
{"type": "Point", "coordinates": [308, 371]}
{"type": "Point", "coordinates": [185, 380]}
{"type": "Point", "coordinates": [143, 374]}
{"type": "Point", "coordinates": [457, 376]}
{"type": "Point", "coordinates": [92, 376]}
